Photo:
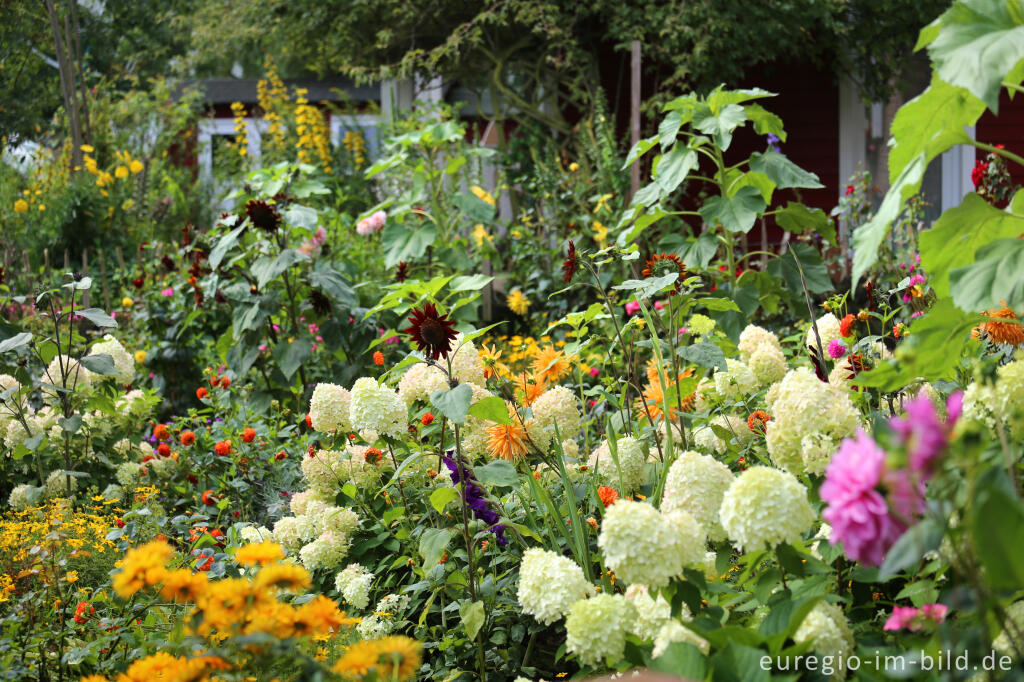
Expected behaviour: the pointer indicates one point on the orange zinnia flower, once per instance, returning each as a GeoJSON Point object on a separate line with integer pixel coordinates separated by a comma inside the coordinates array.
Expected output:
{"type": "Point", "coordinates": [607, 495]}
{"type": "Point", "coordinates": [758, 421]}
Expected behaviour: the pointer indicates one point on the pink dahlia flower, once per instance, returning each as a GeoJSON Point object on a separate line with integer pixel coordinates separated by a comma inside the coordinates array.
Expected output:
{"type": "Point", "coordinates": [836, 349]}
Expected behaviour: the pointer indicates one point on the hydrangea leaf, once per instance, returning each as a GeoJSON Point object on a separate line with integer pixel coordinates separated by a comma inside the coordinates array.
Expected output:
{"type": "Point", "coordinates": [453, 403]}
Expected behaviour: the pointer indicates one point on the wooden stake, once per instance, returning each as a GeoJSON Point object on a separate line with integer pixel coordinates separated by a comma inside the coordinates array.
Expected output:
{"type": "Point", "coordinates": [120, 259]}
{"type": "Point", "coordinates": [85, 272]}
{"type": "Point", "coordinates": [103, 282]}
{"type": "Point", "coordinates": [28, 269]}
{"type": "Point", "coordinates": [67, 260]}
{"type": "Point", "coordinates": [46, 265]}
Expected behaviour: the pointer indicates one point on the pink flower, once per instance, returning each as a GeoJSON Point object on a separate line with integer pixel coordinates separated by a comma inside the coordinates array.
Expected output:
{"type": "Point", "coordinates": [924, 433]}
{"type": "Point", "coordinates": [659, 305]}
{"type": "Point", "coordinates": [915, 280]}
{"type": "Point", "coordinates": [857, 511]}
{"type": "Point", "coordinates": [935, 612]}
{"type": "Point", "coordinates": [836, 349]}
{"type": "Point", "coordinates": [372, 223]}
{"type": "Point", "coordinates": [902, 617]}
{"type": "Point", "coordinates": [684, 330]}
{"type": "Point", "coordinates": [632, 307]}
{"type": "Point", "coordinates": [167, 293]}
{"type": "Point", "coordinates": [594, 371]}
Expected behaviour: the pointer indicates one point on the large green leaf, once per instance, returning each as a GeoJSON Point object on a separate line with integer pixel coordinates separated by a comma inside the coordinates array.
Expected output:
{"type": "Point", "coordinates": [641, 148]}
{"type": "Point", "coordinates": [97, 317]}
{"type": "Point", "coordinates": [917, 541]}
{"type": "Point", "coordinates": [958, 235]}
{"type": "Point", "coordinates": [799, 219]}
{"type": "Point", "coordinates": [932, 123]}
{"type": "Point", "coordinates": [815, 272]}
{"type": "Point", "coordinates": [977, 44]}
{"type": "Point", "coordinates": [997, 275]}
{"type": "Point", "coordinates": [736, 213]}
{"type": "Point", "coordinates": [270, 268]}
{"type": "Point", "coordinates": [497, 472]}
{"type": "Point", "coordinates": [782, 171]}
{"type": "Point", "coordinates": [720, 124]}
{"type": "Point", "coordinates": [868, 237]}
{"type": "Point", "coordinates": [335, 285]}
{"type": "Point", "coordinates": [224, 244]}
{"type": "Point", "coordinates": [453, 403]}
{"type": "Point", "coordinates": [998, 524]}
{"type": "Point", "coordinates": [492, 408]}
{"type": "Point", "coordinates": [472, 614]}
{"type": "Point", "coordinates": [764, 121]}
{"type": "Point", "coordinates": [291, 355]}
{"type": "Point", "coordinates": [404, 243]}
{"type": "Point", "coordinates": [475, 208]}
{"type": "Point", "coordinates": [101, 363]}
{"type": "Point", "coordinates": [673, 167]}
{"type": "Point", "coordinates": [432, 545]}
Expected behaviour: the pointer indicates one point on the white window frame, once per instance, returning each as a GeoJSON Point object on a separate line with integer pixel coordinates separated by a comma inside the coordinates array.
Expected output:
{"type": "Point", "coordinates": [212, 127]}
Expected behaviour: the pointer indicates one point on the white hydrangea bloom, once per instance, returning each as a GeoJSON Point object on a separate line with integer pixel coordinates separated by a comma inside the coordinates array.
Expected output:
{"type": "Point", "coordinates": [570, 448]}
{"type": "Point", "coordinates": [338, 520]}
{"type": "Point", "coordinates": [378, 408]}
{"type": "Point", "coordinates": [327, 551]}
{"type": "Point", "coordinates": [1011, 640]}
{"type": "Point", "coordinates": [828, 632]}
{"type": "Point", "coordinates": [325, 472]}
{"type": "Point", "coordinates": [74, 375]}
{"type": "Point", "coordinates": [474, 429]}
{"type": "Point", "coordinates": [642, 545]}
{"type": "Point", "coordinates": [127, 473]}
{"type": "Point", "coordinates": [651, 613]}
{"type": "Point", "coordinates": [467, 367]}
{"type": "Point", "coordinates": [808, 414]}
{"type": "Point", "coordinates": [558, 406]}
{"type": "Point", "coordinates": [329, 408]}
{"type": "Point", "coordinates": [124, 363]}
{"type": "Point", "coordinates": [632, 455]}
{"type": "Point", "coordinates": [828, 329]}
{"type": "Point", "coordinates": [549, 585]}
{"type": "Point", "coordinates": [696, 484]}
{"type": "Point", "coordinates": [596, 628]}
{"type": "Point", "coordinates": [754, 338]}
{"type": "Point", "coordinates": [251, 534]}
{"type": "Point", "coordinates": [420, 381]}
{"type": "Point", "coordinates": [374, 627]}
{"type": "Point", "coordinates": [132, 403]}
{"type": "Point", "coordinates": [354, 585]}
{"type": "Point", "coordinates": [978, 401]}
{"type": "Point", "coordinates": [674, 631]}
{"type": "Point", "coordinates": [59, 483]}
{"type": "Point", "coordinates": [768, 365]}
{"type": "Point", "coordinates": [736, 382]}
{"type": "Point", "coordinates": [19, 499]}
{"type": "Point", "coordinates": [765, 507]}
{"type": "Point", "coordinates": [292, 532]}
{"type": "Point", "coordinates": [16, 433]}
{"type": "Point", "coordinates": [1008, 396]}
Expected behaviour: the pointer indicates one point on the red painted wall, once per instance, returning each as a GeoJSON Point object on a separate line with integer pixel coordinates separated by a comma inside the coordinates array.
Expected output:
{"type": "Point", "coordinates": [1007, 128]}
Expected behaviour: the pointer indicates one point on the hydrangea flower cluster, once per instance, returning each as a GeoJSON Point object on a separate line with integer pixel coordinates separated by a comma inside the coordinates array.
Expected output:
{"type": "Point", "coordinates": [829, 330]}
{"type": "Point", "coordinates": [829, 634]}
{"type": "Point", "coordinates": [809, 419]}
{"type": "Point", "coordinates": [596, 628]}
{"type": "Point", "coordinates": [696, 484]}
{"type": "Point", "coordinates": [765, 507]}
{"type": "Point", "coordinates": [386, 616]}
{"type": "Point", "coordinates": [124, 363]}
{"type": "Point", "coordinates": [632, 455]}
{"type": "Point", "coordinates": [549, 585]}
{"type": "Point", "coordinates": [377, 408]}
{"type": "Point", "coordinates": [419, 381]}
{"type": "Point", "coordinates": [643, 545]}
{"type": "Point", "coordinates": [354, 584]}
{"type": "Point", "coordinates": [736, 382]}
{"type": "Point", "coordinates": [558, 407]}
{"type": "Point", "coordinates": [329, 408]}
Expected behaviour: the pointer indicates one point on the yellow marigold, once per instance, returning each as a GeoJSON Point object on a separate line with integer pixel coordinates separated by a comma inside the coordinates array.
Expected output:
{"type": "Point", "coordinates": [507, 441]}
{"type": "Point", "coordinates": [21, 206]}
{"type": "Point", "coordinates": [159, 666]}
{"type": "Point", "coordinates": [1011, 333]}
{"type": "Point", "coordinates": [399, 657]}
{"type": "Point", "coordinates": [142, 566]}
{"type": "Point", "coordinates": [136, 166]}
{"type": "Point", "coordinates": [183, 585]}
{"type": "Point", "coordinates": [140, 356]}
{"type": "Point", "coordinates": [261, 553]}
{"type": "Point", "coordinates": [550, 365]}
{"type": "Point", "coordinates": [518, 303]}
{"type": "Point", "coordinates": [284, 576]}
{"type": "Point", "coordinates": [121, 172]}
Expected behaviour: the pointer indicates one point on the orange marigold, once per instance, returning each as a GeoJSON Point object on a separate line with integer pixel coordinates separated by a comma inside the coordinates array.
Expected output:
{"type": "Point", "coordinates": [1011, 333]}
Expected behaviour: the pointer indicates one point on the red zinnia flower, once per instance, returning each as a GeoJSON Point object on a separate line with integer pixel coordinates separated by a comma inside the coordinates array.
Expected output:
{"type": "Point", "coordinates": [119, 523]}
{"type": "Point", "coordinates": [569, 265]}
{"type": "Point", "coordinates": [758, 421]}
{"type": "Point", "coordinates": [201, 392]}
{"type": "Point", "coordinates": [249, 435]}
{"type": "Point", "coordinates": [850, 190]}
{"type": "Point", "coordinates": [161, 432]}
{"type": "Point", "coordinates": [608, 495]}
{"type": "Point", "coordinates": [83, 611]}
{"type": "Point", "coordinates": [223, 447]}
{"type": "Point", "coordinates": [208, 498]}
{"type": "Point", "coordinates": [281, 455]}
{"type": "Point", "coordinates": [432, 332]}
{"type": "Point", "coordinates": [427, 419]}
{"type": "Point", "coordinates": [164, 450]}
{"type": "Point", "coordinates": [225, 382]}
{"type": "Point", "coordinates": [378, 358]}
{"type": "Point", "coordinates": [373, 455]}
{"type": "Point", "coordinates": [187, 438]}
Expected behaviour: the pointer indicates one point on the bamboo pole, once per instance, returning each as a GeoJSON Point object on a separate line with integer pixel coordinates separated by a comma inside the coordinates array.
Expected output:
{"type": "Point", "coordinates": [67, 261]}
{"type": "Point", "coordinates": [634, 113]}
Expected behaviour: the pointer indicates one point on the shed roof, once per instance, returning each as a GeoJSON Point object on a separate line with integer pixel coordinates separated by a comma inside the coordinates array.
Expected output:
{"type": "Point", "coordinates": [336, 89]}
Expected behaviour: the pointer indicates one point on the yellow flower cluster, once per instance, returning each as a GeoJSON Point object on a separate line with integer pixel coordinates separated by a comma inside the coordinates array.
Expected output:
{"type": "Point", "coordinates": [74, 533]}
{"type": "Point", "coordinates": [126, 166]}
{"type": "Point", "coordinates": [164, 666]}
{"type": "Point", "coordinates": [241, 143]}
{"type": "Point", "coordinates": [356, 146]}
{"type": "Point", "coordinates": [314, 135]}
{"type": "Point", "coordinates": [388, 658]}
{"type": "Point", "coordinates": [273, 99]}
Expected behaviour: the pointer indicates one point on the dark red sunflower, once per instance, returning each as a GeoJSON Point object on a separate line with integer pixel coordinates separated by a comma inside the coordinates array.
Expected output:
{"type": "Point", "coordinates": [320, 303]}
{"type": "Point", "coordinates": [569, 265]}
{"type": "Point", "coordinates": [402, 271]}
{"type": "Point", "coordinates": [263, 215]}
{"type": "Point", "coordinates": [661, 264]}
{"type": "Point", "coordinates": [432, 332]}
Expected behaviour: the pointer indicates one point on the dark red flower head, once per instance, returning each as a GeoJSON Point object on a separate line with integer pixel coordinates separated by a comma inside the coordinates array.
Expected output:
{"type": "Point", "coordinates": [569, 265]}
{"type": "Point", "coordinates": [661, 264]}
{"type": "Point", "coordinates": [432, 332]}
{"type": "Point", "coordinates": [402, 271]}
{"type": "Point", "coordinates": [263, 215]}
